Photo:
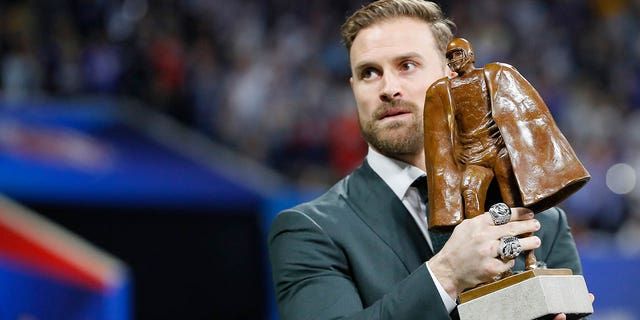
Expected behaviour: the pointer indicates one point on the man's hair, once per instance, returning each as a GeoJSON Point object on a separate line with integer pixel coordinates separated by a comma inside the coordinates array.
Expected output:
{"type": "Point", "coordinates": [385, 9]}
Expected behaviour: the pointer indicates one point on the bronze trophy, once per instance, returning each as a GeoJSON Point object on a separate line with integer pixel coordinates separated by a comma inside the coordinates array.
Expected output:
{"type": "Point", "coordinates": [489, 136]}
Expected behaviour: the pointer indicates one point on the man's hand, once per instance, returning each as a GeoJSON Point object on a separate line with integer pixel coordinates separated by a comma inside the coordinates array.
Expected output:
{"type": "Point", "coordinates": [470, 256]}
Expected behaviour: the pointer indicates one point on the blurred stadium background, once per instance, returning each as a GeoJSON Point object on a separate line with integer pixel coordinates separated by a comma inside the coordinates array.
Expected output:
{"type": "Point", "coordinates": [145, 146]}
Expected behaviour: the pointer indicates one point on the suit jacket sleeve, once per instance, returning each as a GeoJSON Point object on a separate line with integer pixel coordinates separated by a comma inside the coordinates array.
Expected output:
{"type": "Point", "coordinates": [313, 279]}
{"type": "Point", "coordinates": [558, 249]}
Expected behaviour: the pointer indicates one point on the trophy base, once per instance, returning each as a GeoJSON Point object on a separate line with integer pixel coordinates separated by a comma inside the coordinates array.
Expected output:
{"type": "Point", "coordinates": [533, 294]}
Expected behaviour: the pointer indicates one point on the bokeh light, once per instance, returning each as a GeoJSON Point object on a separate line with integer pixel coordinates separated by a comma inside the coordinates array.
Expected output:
{"type": "Point", "coordinates": [621, 178]}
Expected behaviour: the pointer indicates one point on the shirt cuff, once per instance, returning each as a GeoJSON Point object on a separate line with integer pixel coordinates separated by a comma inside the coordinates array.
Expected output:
{"type": "Point", "coordinates": [449, 303]}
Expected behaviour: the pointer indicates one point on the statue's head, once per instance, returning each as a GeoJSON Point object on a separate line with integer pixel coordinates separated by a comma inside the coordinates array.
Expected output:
{"type": "Point", "coordinates": [460, 55]}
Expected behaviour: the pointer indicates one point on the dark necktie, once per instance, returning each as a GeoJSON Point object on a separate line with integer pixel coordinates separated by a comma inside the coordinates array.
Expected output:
{"type": "Point", "coordinates": [438, 237]}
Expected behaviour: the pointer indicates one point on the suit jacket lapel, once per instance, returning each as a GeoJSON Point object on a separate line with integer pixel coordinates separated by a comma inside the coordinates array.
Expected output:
{"type": "Point", "coordinates": [376, 204]}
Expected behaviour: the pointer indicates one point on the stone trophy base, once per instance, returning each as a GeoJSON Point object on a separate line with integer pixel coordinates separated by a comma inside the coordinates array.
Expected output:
{"type": "Point", "coordinates": [533, 294]}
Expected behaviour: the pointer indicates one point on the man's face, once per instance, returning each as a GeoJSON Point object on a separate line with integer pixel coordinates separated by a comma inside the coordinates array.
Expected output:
{"type": "Point", "coordinates": [393, 63]}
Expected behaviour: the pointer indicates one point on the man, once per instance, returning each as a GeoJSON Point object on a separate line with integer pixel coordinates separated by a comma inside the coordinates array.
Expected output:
{"type": "Point", "coordinates": [362, 250]}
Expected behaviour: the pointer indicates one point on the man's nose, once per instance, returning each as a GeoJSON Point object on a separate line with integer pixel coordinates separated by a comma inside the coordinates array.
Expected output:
{"type": "Point", "coordinates": [390, 88]}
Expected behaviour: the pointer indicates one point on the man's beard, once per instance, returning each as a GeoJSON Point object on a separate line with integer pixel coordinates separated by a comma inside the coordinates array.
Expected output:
{"type": "Point", "coordinates": [395, 137]}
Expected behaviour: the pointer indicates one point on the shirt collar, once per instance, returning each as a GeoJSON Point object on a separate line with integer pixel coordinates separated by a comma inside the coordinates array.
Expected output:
{"type": "Point", "coordinates": [396, 174]}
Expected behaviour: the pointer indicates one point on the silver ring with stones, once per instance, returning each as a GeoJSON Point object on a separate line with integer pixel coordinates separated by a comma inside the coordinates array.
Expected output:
{"type": "Point", "coordinates": [509, 248]}
{"type": "Point", "coordinates": [500, 213]}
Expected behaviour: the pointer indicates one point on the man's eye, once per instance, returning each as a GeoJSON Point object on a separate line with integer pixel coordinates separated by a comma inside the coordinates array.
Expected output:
{"type": "Point", "coordinates": [408, 66]}
{"type": "Point", "coordinates": [368, 74]}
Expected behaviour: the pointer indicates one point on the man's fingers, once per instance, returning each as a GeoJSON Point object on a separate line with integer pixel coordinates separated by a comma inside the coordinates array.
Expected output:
{"type": "Point", "coordinates": [521, 214]}
{"type": "Point", "coordinates": [530, 243]}
{"type": "Point", "coordinates": [560, 316]}
{"type": "Point", "coordinates": [517, 214]}
{"type": "Point", "coordinates": [527, 243]}
{"type": "Point", "coordinates": [515, 228]}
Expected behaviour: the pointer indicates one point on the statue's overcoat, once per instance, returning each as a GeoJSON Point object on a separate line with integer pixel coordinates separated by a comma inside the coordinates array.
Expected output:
{"type": "Point", "coordinates": [545, 166]}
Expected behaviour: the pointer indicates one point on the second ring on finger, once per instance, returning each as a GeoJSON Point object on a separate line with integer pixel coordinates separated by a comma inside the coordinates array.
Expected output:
{"type": "Point", "coordinates": [509, 248]}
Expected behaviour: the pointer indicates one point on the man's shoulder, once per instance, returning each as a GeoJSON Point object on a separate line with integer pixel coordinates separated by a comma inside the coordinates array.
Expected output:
{"type": "Point", "coordinates": [552, 214]}
{"type": "Point", "coordinates": [324, 205]}
{"type": "Point", "coordinates": [329, 208]}
{"type": "Point", "coordinates": [552, 220]}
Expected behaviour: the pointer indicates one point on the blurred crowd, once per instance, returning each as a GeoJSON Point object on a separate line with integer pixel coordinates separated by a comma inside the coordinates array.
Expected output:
{"type": "Point", "coordinates": [269, 78]}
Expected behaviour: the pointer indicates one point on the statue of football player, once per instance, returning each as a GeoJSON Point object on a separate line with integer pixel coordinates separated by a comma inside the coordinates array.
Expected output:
{"type": "Point", "coordinates": [488, 123]}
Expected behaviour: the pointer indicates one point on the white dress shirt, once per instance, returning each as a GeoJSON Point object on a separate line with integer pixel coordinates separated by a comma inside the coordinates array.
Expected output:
{"type": "Point", "coordinates": [399, 176]}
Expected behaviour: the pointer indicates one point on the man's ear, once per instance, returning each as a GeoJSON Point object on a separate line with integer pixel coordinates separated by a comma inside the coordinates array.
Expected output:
{"type": "Point", "coordinates": [351, 82]}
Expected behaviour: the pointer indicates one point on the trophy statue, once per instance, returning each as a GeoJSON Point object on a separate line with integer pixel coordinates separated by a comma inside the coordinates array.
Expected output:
{"type": "Point", "coordinates": [488, 123]}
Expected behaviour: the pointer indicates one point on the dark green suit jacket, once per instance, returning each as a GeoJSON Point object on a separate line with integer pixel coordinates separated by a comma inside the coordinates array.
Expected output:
{"type": "Point", "coordinates": [356, 253]}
